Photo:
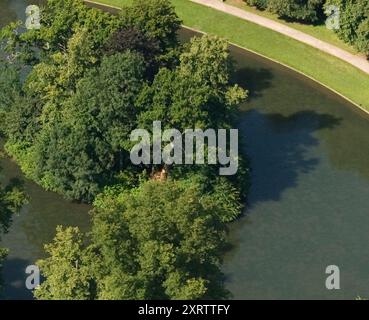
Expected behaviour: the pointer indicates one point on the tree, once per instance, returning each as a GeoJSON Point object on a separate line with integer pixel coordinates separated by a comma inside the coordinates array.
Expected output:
{"type": "Point", "coordinates": [68, 270]}
{"type": "Point", "coordinates": [197, 93]}
{"type": "Point", "coordinates": [228, 194]}
{"type": "Point", "coordinates": [158, 20]}
{"type": "Point", "coordinates": [56, 78]}
{"type": "Point", "coordinates": [260, 4]}
{"type": "Point", "coordinates": [82, 149]}
{"type": "Point", "coordinates": [69, 44]}
{"type": "Point", "coordinates": [354, 23]}
{"type": "Point", "coordinates": [61, 18]}
{"type": "Point", "coordinates": [135, 40]}
{"type": "Point", "coordinates": [43, 117]}
{"type": "Point", "coordinates": [302, 10]}
{"type": "Point", "coordinates": [158, 241]}
{"type": "Point", "coordinates": [10, 88]}
{"type": "Point", "coordinates": [170, 243]}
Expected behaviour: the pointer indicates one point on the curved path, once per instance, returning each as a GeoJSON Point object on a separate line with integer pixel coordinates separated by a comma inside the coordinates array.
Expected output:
{"type": "Point", "coordinates": [357, 61]}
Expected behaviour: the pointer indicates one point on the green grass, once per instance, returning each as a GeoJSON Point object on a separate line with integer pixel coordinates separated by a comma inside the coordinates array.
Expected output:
{"type": "Point", "coordinates": [116, 3]}
{"type": "Point", "coordinates": [330, 71]}
{"type": "Point", "coordinates": [317, 31]}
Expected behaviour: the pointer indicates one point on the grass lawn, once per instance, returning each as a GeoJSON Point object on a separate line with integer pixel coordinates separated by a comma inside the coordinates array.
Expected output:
{"type": "Point", "coordinates": [330, 71]}
{"type": "Point", "coordinates": [317, 31]}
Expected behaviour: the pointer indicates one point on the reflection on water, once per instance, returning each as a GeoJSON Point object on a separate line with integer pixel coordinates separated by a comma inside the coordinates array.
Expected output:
{"type": "Point", "coordinates": [7, 12]}
{"type": "Point", "coordinates": [309, 201]}
{"type": "Point", "coordinates": [11, 10]}
{"type": "Point", "coordinates": [34, 227]}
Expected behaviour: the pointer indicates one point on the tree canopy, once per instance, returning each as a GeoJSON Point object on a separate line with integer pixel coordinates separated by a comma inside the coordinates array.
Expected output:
{"type": "Point", "coordinates": [71, 94]}
{"type": "Point", "coordinates": [80, 151]}
{"type": "Point", "coordinates": [159, 241]}
{"type": "Point", "coordinates": [302, 10]}
{"type": "Point", "coordinates": [354, 22]}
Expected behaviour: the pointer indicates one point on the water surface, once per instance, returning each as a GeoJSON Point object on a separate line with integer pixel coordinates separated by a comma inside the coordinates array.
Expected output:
{"type": "Point", "coordinates": [309, 201]}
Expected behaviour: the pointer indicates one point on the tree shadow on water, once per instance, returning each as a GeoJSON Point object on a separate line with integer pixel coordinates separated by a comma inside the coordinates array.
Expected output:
{"type": "Point", "coordinates": [14, 278]}
{"type": "Point", "coordinates": [254, 80]}
{"type": "Point", "coordinates": [278, 147]}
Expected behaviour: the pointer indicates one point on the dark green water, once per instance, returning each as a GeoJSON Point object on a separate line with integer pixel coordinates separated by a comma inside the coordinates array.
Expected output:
{"type": "Point", "coordinates": [309, 201]}
{"type": "Point", "coordinates": [32, 228]}
{"type": "Point", "coordinates": [11, 10]}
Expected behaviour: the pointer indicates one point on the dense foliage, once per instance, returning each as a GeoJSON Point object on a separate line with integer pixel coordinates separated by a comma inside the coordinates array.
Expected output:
{"type": "Point", "coordinates": [302, 10]}
{"type": "Point", "coordinates": [66, 53]}
{"type": "Point", "coordinates": [68, 124]}
{"type": "Point", "coordinates": [353, 16]}
{"type": "Point", "coordinates": [354, 22]}
{"type": "Point", "coordinates": [82, 149]}
{"type": "Point", "coordinates": [71, 94]}
{"type": "Point", "coordinates": [160, 241]}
